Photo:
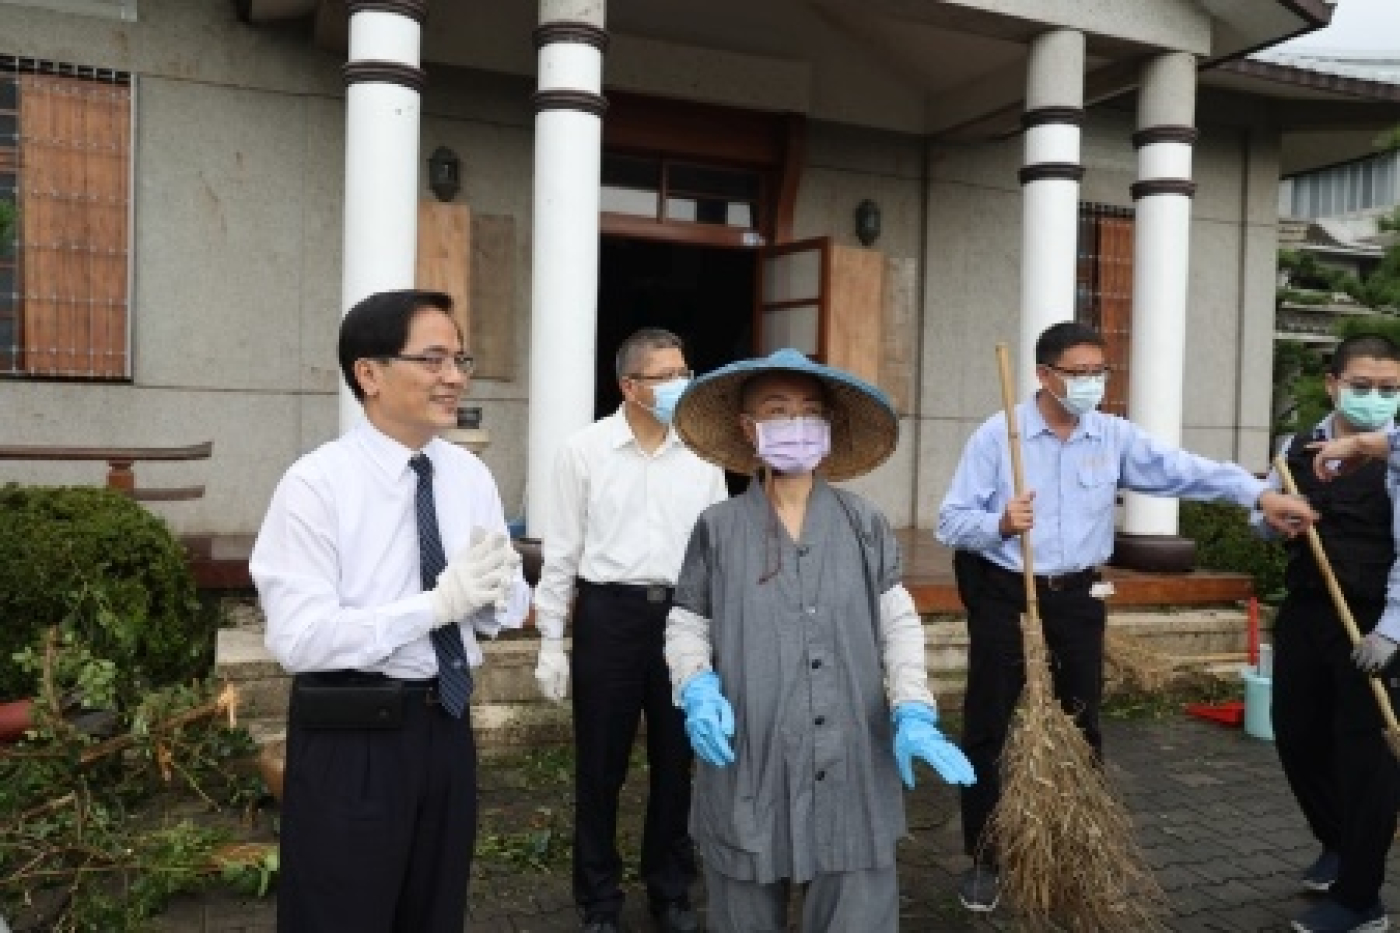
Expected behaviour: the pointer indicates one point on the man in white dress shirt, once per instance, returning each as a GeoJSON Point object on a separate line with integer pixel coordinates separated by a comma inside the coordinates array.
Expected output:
{"type": "Point", "coordinates": [379, 807]}
{"type": "Point", "coordinates": [626, 496]}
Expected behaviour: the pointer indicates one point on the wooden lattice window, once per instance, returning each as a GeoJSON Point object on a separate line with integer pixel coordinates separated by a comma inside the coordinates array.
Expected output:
{"type": "Point", "coordinates": [65, 171]}
{"type": "Point", "coordinates": [1104, 290]}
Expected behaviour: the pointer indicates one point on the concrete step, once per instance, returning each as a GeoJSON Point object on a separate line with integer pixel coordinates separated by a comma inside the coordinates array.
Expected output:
{"type": "Point", "coordinates": [508, 711]}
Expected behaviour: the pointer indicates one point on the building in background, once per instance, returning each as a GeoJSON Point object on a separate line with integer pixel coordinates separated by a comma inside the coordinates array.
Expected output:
{"type": "Point", "coordinates": [203, 186]}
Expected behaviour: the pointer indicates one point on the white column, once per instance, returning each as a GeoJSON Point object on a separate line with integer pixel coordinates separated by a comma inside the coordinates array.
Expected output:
{"type": "Point", "coordinates": [384, 85]}
{"type": "Point", "coordinates": [1050, 188]}
{"type": "Point", "coordinates": [1161, 248]}
{"type": "Point", "coordinates": [564, 284]}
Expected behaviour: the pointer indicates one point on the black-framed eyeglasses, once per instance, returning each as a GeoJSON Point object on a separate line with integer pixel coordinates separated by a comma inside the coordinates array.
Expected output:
{"type": "Point", "coordinates": [1099, 373]}
{"type": "Point", "coordinates": [657, 378]}
{"type": "Point", "coordinates": [1361, 387]}
{"type": "Point", "coordinates": [465, 363]}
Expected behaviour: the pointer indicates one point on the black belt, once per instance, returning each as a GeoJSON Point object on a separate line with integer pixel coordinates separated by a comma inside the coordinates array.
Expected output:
{"type": "Point", "coordinates": [427, 689]}
{"type": "Point", "coordinates": [1053, 582]}
{"type": "Point", "coordinates": [651, 592]}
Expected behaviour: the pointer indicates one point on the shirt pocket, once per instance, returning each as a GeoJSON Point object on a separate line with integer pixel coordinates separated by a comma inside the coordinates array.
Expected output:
{"type": "Point", "coordinates": [1098, 482]}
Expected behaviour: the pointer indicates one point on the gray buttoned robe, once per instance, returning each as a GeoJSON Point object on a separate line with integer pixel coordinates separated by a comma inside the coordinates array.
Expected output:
{"type": "Point", "coordinates": [795, 633]}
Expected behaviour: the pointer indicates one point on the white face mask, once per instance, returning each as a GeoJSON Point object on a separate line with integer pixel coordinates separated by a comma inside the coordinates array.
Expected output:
{"type": "Point", "coordinates": [1082, 394]}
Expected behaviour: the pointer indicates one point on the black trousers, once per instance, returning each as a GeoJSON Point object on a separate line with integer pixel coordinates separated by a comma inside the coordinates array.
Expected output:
{"type": "Point", "coordinates": [1330, 740]}
{"type": "Point", "coordinates": [619, 673]}
{"type": "Point", "coordinates": [1073, 622]}
{"type": "Point", "coordinates": [378, 825]}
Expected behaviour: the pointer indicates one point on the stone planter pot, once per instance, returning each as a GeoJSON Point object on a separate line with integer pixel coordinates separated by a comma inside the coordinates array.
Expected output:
{"type": "Point", "coordinates": [16, 718]}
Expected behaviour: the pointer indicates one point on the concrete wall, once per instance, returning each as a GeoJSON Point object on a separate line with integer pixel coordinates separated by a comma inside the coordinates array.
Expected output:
{"type": "Point", "coordinates": [237, 252]}
{"type": "Point", "coordinates": [844, 166]}
{"type": "Point", "coordinates": [236, 255]}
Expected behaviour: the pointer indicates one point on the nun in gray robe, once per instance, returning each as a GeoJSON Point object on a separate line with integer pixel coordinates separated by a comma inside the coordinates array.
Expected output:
{"type": "Point", "coordinates": [815, 642]}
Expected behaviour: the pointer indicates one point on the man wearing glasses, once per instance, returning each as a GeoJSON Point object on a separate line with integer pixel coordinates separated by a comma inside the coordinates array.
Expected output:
{"type": "Point", "coordinates": [382, 556]}
{"type": "Point", "coordinates": [1076, 459]}
{"type": "Point", "coordinates": [1329, 734]}
{"type": "Point", "coordinates": [626, 495]}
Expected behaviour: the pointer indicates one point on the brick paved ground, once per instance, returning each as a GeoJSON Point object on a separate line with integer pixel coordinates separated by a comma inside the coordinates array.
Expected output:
{"type": "Point", "coordinates": [1215, 820]}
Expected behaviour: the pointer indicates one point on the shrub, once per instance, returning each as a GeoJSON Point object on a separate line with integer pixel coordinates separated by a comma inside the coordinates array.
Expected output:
{"type": "Point", "coordinates": [110, 575]}
{"type": "Point", "coordinates": [1224, 541]}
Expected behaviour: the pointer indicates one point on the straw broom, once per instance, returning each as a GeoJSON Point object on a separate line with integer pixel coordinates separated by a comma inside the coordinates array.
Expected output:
{"type": "Point", "coordinates": [1392, 728]}
{"type": "Point", "coordinates": [1132, 667]}
{"type": "Point", "coordinates": [1062, 837]}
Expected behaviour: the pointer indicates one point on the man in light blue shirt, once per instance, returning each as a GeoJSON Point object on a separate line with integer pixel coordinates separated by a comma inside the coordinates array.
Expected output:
{"type": "Point", "coordinates": [1075, 459]}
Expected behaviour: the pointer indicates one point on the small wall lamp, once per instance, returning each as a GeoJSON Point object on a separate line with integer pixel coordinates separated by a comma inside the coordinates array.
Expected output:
{"type": "Point", "coordinates": [867, 222]}
{"type": "Point", "coordinates": [444, 173]}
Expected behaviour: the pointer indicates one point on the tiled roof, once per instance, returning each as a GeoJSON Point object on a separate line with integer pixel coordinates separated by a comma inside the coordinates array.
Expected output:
{"type": "Point", "coordinates": [1369, 67]}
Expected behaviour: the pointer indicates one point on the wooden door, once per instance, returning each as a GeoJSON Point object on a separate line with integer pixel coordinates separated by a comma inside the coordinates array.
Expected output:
{"type": "Point", "coordinates": [793, 283]}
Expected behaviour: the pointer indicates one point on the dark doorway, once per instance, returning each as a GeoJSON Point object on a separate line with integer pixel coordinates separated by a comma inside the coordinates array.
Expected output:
{"type": "Point", "coordinates": [703, 294]}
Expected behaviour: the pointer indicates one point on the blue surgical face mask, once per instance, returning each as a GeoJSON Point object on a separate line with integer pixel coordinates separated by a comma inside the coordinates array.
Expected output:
{"type": "Point", "coordinates": [1082, 394]}
{"type": "Point", "coordinates": [1367, 411]}
{"type": "Point", "coordinates": [666, 395]}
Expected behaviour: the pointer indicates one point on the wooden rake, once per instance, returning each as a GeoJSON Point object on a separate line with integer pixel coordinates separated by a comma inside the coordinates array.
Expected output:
{"type": "Point", "coordinates": [1392, 727]}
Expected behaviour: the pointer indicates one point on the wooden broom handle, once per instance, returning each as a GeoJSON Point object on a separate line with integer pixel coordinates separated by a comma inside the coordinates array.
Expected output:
{"type": "Point", "coordinates": [1338, 599]}
{"type": "Point", "coordinates": [1018, 476]}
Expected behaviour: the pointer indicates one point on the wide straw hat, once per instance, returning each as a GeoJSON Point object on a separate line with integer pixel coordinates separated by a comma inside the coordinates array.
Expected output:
{"type": "Point", "coordinates": [864, 428]}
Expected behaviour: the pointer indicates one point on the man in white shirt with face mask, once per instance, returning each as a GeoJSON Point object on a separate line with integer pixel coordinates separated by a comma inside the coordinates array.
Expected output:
{"type": "Point", "coordinates": [626, 495]}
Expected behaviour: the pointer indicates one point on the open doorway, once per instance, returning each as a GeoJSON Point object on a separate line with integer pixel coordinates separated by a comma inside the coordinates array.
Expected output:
{"type": "Point", "coordinates": [703, 294]}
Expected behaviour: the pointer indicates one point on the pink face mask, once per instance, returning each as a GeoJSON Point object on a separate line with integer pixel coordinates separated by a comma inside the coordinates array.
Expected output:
{"type": "Point", "coordinates": [793, 445]}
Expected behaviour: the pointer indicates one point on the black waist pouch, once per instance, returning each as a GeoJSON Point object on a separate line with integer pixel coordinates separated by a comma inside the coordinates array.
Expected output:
{"type": "Point", "coordinates": [347, 700]}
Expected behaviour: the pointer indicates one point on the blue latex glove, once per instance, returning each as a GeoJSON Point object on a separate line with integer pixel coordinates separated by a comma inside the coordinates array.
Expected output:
{"type": "Point", "coordinates": [916, 736]}
{"type": "Point", "coordinates": [709, 719]}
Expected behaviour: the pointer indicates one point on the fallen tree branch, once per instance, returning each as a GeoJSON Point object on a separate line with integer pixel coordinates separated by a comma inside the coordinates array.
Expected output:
{"type": "Point", "coordinates": [227, 702]}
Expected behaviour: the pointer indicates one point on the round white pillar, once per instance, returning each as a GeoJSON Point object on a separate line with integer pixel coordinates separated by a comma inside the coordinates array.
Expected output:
{"type": "Point", "coordinates": [1161, 250]}
{"type": "Point", "coordinates": [384, 86]}
{"type": "Point", "coordinates": [1050, 176]}
{"type": "Point", "coordinates": [564, 282]}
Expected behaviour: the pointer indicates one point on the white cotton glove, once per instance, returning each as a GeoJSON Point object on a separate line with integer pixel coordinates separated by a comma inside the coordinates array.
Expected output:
{"type": "Point", "coordinates": [477, 578]}
{"type": "Point", "coordinates": [1373, 653]}
{"type": "Point", "coordinates": [552, 669]}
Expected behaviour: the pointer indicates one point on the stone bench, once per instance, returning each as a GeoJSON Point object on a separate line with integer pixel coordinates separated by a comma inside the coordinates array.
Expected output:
{"type": "Point", "coordinates": [120, 460]}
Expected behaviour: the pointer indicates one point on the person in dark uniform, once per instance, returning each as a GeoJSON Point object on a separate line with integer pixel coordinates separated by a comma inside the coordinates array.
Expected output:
{"type": "Point", "coordinates": [1327, 728]}
{"type": "Point", "coordinates": [1076, 459]}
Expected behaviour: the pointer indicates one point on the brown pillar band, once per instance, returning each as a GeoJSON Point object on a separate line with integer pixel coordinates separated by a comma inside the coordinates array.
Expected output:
{"type": "Point", "coordinates": [583, 101]}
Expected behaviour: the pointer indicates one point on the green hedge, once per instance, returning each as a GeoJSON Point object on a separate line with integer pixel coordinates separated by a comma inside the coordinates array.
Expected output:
{"type": "Point", "coordinates": [111, 575]}
{"type": "Point", "coordinates": [1224, 541]}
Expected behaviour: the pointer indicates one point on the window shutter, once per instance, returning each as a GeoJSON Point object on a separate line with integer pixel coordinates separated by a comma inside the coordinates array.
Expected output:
{"type": "Point", "coordinates": [74, 178]}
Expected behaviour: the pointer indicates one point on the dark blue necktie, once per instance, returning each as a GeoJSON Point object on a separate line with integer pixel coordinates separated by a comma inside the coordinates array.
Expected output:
{"type": "Point", "coordinates": [454, 673]}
